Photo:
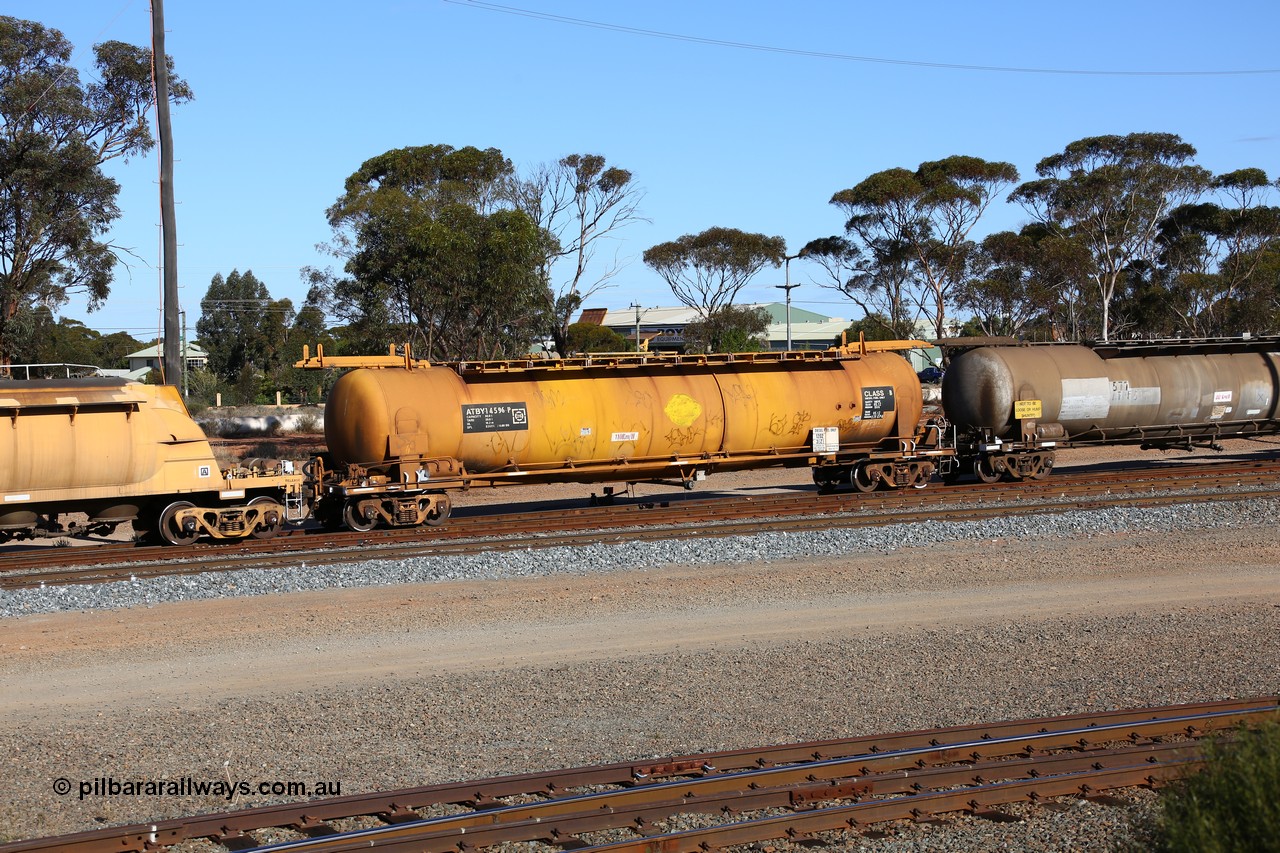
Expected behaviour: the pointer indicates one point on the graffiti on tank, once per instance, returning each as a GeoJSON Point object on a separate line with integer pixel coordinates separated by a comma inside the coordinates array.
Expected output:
{"type": "Point", "coordinates": [796, 423]}
{"type": "Point", "coordinates": [684, 436]}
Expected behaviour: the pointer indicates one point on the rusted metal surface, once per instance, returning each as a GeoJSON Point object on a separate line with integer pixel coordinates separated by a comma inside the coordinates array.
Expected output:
{"type": "Point", "coordinates": [724, 515]}
{"type": "Point", "coordinates": [1129, 396]}
{"type": "Point", "coordinates": [619, 422]}
{"type": "Point", "coordinates": [1062, 754]}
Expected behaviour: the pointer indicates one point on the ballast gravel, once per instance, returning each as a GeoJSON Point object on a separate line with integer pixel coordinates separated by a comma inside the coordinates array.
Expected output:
{"type": "Point", "coordinates": [423, 726]}
{"type": "Point", "coordinates": [594, 559]}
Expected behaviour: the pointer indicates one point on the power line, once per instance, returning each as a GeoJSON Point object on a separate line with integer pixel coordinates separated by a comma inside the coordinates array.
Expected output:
{"type": "Point", "coordinates": [843, 57]}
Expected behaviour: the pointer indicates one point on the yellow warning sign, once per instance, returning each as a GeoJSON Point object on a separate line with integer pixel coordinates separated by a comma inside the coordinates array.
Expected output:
{"type": "Point", "coordinates": [1024, 409]}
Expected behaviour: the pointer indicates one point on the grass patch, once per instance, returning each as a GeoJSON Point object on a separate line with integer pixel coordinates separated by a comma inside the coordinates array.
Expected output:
{"type": "Point", "coordinates": [1233, 804]}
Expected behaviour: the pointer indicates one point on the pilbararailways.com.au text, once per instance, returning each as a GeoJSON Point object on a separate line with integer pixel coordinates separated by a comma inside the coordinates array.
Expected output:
{"type": "Point", "coordinates": [185, 786]}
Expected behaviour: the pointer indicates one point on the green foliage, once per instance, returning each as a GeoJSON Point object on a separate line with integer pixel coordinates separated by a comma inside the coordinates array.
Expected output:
{"type": "Point", "coordinates": [577, 202]}
{"type": "Point", "coordinates": [33, 337]}
{"type": "Point", "coordinates": [434, 244]}
{"type": "Point", "coordinates": [1032, 277]}
{"type": "Point", "coordinates": [1110, 194]}
{"type": "Point", "coordinates": [240, 324]}
{"type": "Point", "coordinates": [248, 387]}
{"type": "Point", "coordinates": [592, 337]}
{"type": "Point", "coordinates": [299, 385]}
{"type": "Point", "coordinates": [705, 271]}
{"type": "Point", "coordinates": [1232, 805]}
{"type": "Point", "coordinates": [729, 329]}
{"type": "Point", "coordinates": [203, 388]}
{"type": "Point", "coordinates": [874, 327]}
{"type": "Point", "coordinates": [55, 134]}
{"type": "Point", "coordinates": [913, 232]}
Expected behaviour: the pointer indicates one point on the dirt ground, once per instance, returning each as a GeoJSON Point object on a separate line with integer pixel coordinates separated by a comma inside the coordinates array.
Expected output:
{"type": "Point", "coordinates": [407, 685]}
{"type": "Point", "coordinates": [71, 664]}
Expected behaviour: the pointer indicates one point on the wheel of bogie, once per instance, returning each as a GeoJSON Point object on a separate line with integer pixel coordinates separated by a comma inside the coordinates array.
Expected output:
{"type": "Point", "coordinates": [354, 520]}
{"type": "Point", "coordinates": [265, 531]}
{"type": "Point", "coordinates": [168, 528]}
{"type": "Point", "coordinates": [824, 481]}
{"type": "Point", "coordinates": [862, 479]}
{"type": "Point", "coordinates": [921, 479]}
{"type": "Point", "coordinates": [440, 513]}
{"type": "Point", "coordinates": [985, 471]}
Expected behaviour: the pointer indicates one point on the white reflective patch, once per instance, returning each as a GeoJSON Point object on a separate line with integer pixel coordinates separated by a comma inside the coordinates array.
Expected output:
{"type": "Point", "coordinates": [17, 498]}
{"type": "Point", "coordinates": [1124, 394]}
{"type": "Point", "coordinates": [625, 436]}
{"type": "Point", "coordinates": [231, 494]}
{"type": "Point", "coordinates": [1085, 399]}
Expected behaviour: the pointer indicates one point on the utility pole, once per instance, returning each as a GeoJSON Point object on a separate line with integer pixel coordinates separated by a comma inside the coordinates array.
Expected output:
{"type": "Point", "coordinates": [636, 305]}
{"type": "Point", "coordinates": [185, 391]}
{"type": "Point", "coordinates": [172, 363]}
{"type": "Point", "coordinates": [788, 287]}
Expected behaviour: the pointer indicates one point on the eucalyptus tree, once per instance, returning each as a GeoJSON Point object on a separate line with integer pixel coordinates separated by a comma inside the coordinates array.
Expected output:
{"type": "Point", "coordinates": [241, 326]}
{"type": "Point", "coordinates": [706, 271]}
{"type": "Point", "coordinates": [1210, 253]}
{"type": "Point", "coordinates": [918, 223]}
{"type": "Point", "coordinates": [1031, 277]}
{"type": "Point", "coordinates": [434, 244]}
{"type": "Point", "coordinates": [579, 202]}
{"type": "Point", "coordinates": [877, 281]}
{"type": "Point", "coordinates": [1111, 193]}
{"type": "Point", "coordinates": [729, 328]}
{"type": "Point", "coordinates": [56, 204]}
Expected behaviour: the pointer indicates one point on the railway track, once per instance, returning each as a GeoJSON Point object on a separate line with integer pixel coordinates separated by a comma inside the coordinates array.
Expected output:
{"type": "Point", "coordinates": [731, 515]}
{"type": "Point", "coordinates": [715, 800]}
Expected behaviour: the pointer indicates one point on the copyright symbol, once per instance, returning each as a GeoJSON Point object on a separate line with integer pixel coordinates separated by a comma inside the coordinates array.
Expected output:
{"type": "Point", "coordinates": [62, 786]}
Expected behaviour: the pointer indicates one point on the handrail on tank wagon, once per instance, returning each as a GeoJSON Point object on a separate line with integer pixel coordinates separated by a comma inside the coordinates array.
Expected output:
{"type": "Point", "coordinates": [404, 359]}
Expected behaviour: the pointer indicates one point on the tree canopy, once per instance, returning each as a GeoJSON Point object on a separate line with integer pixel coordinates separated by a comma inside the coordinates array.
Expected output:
{"type": "Point", "coordinates": [913, 229]}
{"type": "Point", "coordinates": [579, 202]}
{"type": "Point", "coordinates": [241, 326]}
{"type": "Point", "coordinates": [434, 245]}
{"type": "Point", "coordinates": [56, 203]}
{"type": "Point", "coordinates": [705, 271]}
{"type": "Point", "coordinates": [1111, 193]}
{"type": "Point", "coordinates": [730, 328]}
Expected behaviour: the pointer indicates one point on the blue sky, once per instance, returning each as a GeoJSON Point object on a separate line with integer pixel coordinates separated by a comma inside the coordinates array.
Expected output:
{"type": "Point", "coordinates": [291, 98]}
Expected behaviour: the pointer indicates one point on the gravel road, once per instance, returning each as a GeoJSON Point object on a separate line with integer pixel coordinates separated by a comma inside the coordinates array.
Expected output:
{"type": "Point", "coordinates": [382, 675]}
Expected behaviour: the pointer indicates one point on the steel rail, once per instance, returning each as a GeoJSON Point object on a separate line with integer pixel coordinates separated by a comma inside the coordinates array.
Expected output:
{"type": "Point", "coordinates": [728, 504]}
{"type": "Point", "coordinates": [692, 526]}
{"type": "Point", "coordinates": [235, 829]}
{"type": "Point", "coordinates": [902, 772]}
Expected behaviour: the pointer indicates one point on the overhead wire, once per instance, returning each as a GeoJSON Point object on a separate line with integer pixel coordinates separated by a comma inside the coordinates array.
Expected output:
{"type": "Point", "coordinates": [843, 57]}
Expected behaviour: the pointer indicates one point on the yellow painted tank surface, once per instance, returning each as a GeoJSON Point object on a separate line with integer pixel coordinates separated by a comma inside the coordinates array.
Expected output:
{"type": "Point", "coordinates": [103, 445]}
{"type": "Point", "coordinates": [569, 421]}
{"type": "Point", "coordinates": [1150, 397]}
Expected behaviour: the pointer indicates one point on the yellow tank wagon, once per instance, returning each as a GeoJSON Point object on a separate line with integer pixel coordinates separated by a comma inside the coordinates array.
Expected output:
{"type": "Point", "coordinates": [121, 451]}
{"type": "Point", "coordinates": [403, 434]}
